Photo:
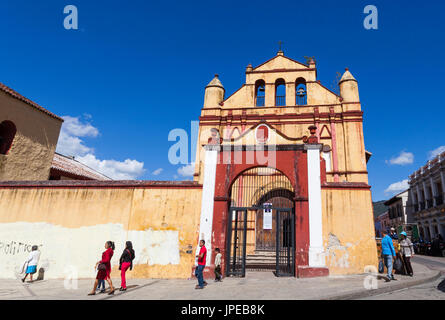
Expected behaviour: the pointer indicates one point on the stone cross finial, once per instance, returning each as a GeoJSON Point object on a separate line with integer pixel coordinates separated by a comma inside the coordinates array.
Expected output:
{"type": "Point", "coordinates": [279, 46]}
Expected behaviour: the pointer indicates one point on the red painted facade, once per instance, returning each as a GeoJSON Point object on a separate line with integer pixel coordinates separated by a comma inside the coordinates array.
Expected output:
{"type": "Point", "coordinates": [293, 164]}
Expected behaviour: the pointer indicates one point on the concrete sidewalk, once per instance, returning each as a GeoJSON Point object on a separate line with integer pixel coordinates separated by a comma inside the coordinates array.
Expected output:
{"type": "Point", "coordinates": [256, 285]}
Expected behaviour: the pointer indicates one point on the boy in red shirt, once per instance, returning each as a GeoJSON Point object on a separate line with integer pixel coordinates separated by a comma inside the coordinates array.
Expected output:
{"type": "Point", "coordinates": [201, 265]}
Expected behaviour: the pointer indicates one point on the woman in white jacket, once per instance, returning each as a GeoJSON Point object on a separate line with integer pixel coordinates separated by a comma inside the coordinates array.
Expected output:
{"type": "Point", "coordinates": [32, 261]}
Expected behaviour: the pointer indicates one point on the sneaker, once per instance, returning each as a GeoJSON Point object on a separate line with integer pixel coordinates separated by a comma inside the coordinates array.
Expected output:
{"type": "Point", "coordinates": [387, 279]}
{"type": "Point", "coordinates": [198, 287]}
{"type": "Point", "coordinates": [205, 283]}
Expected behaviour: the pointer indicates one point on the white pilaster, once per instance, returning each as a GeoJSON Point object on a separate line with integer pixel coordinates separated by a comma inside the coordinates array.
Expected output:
{"type": "Point", "coordinates": [316, 250]}
{"type": "Point", "coordinates": [208, 193]}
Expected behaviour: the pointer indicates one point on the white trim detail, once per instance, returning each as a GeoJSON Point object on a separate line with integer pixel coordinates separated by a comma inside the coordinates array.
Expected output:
{"type": "Point", "coordinates": [316, 250]}
{"type": "Point", "coordinates": [208, 194]}
{"type": "Point", "coordinates": [327, 157]}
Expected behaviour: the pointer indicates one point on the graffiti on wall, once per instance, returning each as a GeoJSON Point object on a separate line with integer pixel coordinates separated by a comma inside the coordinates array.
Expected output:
{"type": "Point", "coordinates": [14, 247]}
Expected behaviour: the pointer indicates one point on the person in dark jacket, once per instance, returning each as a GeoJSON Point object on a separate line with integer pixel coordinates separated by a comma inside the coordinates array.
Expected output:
{"type": "Point", "coordinates": [125, 262]}
{"type": "Point", "coordinates": [435, 246]}
{"type": "Point", "coordinates": [104, 268]}
{"type": "Point", "coordinates": [393, 234]}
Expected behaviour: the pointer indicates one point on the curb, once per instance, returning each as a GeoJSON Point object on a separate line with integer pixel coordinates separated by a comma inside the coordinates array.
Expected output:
{"type": "Point", "coordinates": [368, 293]}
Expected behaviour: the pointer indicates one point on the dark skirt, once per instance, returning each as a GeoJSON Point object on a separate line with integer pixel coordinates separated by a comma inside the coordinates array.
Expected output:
{"type": "Point", "coordinates": [101, 274]}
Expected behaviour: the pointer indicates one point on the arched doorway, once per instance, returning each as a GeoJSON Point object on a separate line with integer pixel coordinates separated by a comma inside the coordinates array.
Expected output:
{"type": "Point", "coordinates": [261, 223]}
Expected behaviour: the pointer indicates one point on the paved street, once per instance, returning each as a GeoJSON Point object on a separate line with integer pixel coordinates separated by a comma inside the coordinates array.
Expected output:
{"type": "Point", "coordinates": [256, 285]}
{"type": "Point", "coordinates": [426, 291]}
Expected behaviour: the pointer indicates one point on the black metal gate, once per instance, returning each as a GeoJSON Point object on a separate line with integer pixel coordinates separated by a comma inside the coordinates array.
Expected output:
{"type": "Point", "coordinates": [285, 251]}
{"type": "Point", "coordinates": [236, 244]}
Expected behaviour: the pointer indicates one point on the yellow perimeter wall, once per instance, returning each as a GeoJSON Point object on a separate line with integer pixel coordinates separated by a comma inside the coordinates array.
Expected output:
{"type": "Point", "coordinates": [71, 226]}
{"type": "Point", "coordinates": [348, 230]}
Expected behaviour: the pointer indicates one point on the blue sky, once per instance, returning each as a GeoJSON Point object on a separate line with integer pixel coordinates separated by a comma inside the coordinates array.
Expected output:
{"type": "Point", "coordinates": [136, 70]}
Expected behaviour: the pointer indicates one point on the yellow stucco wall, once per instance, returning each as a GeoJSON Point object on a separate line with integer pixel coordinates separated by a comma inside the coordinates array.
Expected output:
{"type": "Point", "coordinates": [348, 230]}
{"type": "Point", "coordinates": [72, 225]}
{"type": "Point", "coordinates": [33, 147]}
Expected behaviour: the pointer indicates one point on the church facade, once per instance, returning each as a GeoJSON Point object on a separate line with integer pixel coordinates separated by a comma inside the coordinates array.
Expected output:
{"type": "Point", "coordinates": [283, 167]}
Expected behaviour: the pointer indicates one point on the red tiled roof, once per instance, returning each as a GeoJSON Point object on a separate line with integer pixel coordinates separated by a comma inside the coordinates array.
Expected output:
{"type": "Point", "coordinates": [18, 96]}
{"type": "Point", "coordinates": [72, 167]}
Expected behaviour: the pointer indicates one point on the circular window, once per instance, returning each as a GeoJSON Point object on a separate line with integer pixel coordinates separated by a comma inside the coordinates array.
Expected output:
{"type": "Point", "coordinates": [262, 134]}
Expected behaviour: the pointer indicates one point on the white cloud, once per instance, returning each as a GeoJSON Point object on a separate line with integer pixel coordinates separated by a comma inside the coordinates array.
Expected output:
{"type": "Point", "coordinates": [117, 170]}
{"type": "Point", "coordinates": [74, 126]}
{"type": "Point", "coordinates": [397, 187]}
{"type": "Point", "coordinates": [157, 172]}
{"type": "Point", "coordinates": [436, 152]}
{"type": "Point", "coordinates": [402, 159]}
{"type": "Point", "coordinates": [70, 143]}
{"type": "Point", "coordinates": [187, 170]}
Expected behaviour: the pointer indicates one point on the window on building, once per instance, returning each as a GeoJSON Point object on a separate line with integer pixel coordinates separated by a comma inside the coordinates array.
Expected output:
{"type": "Point", "coordinates": [300, 92]}
{"type": "Point", "coordinates": [439, 198]}
{"type": "Point", "coordinates": [7, 134]}
{"type": "Point", "coordinates": [280, 92]}
{"type": "Point", "coordinates": [260, 93]}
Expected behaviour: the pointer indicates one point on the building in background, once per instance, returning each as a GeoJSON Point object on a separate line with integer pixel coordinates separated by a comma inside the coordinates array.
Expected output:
{"type": "Point", "coordinates": [28, 137]}
{"type": "Point", "coordinates": [28, 140]}
{"type": "Point", "coordinates": [382, 223]}
{"type": "Point", "coordinates": [68, 168]}
{"type": "Point", "coordinates": [426, 198]}
{"type": "Point", "coordinates": [397, 210]}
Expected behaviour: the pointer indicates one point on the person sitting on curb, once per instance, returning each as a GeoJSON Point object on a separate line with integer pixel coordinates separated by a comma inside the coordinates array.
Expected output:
{"type": "Point", "coordinates": [388, 253]}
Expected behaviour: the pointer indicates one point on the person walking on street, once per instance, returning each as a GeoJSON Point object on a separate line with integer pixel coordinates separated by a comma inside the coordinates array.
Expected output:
{"type": "Point", "coordinates": [388, 253]}
{"type": "Point", "coordinates": [218, 257]}
{"type": "Point", "coordinates": [393, 234]}
{"type": "Point", "coordinates": [32, 261]}
{"type": "Point", "coordinates": [104, 268]}
{"type": "Point", "coordinates": [435, 246]}
{"type": "Point", "coordinates": [125, 262]}
{"type": "Point", "coordinates": [407, 250]}
{"type": "Point", "coordinates": [202, 256]}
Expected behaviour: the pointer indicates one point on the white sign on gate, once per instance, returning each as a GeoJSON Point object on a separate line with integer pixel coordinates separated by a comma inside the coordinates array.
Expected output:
{"type": "Point", "coordinates": [267, 216]}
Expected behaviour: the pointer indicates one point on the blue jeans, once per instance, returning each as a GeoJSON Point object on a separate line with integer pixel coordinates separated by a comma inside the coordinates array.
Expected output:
{"type": "Point", "coordinates": [101, 283]}
{"type": "Point", "coordinates": [388, 263]}
{"type": "Point", "coordinates": [198, 272]}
